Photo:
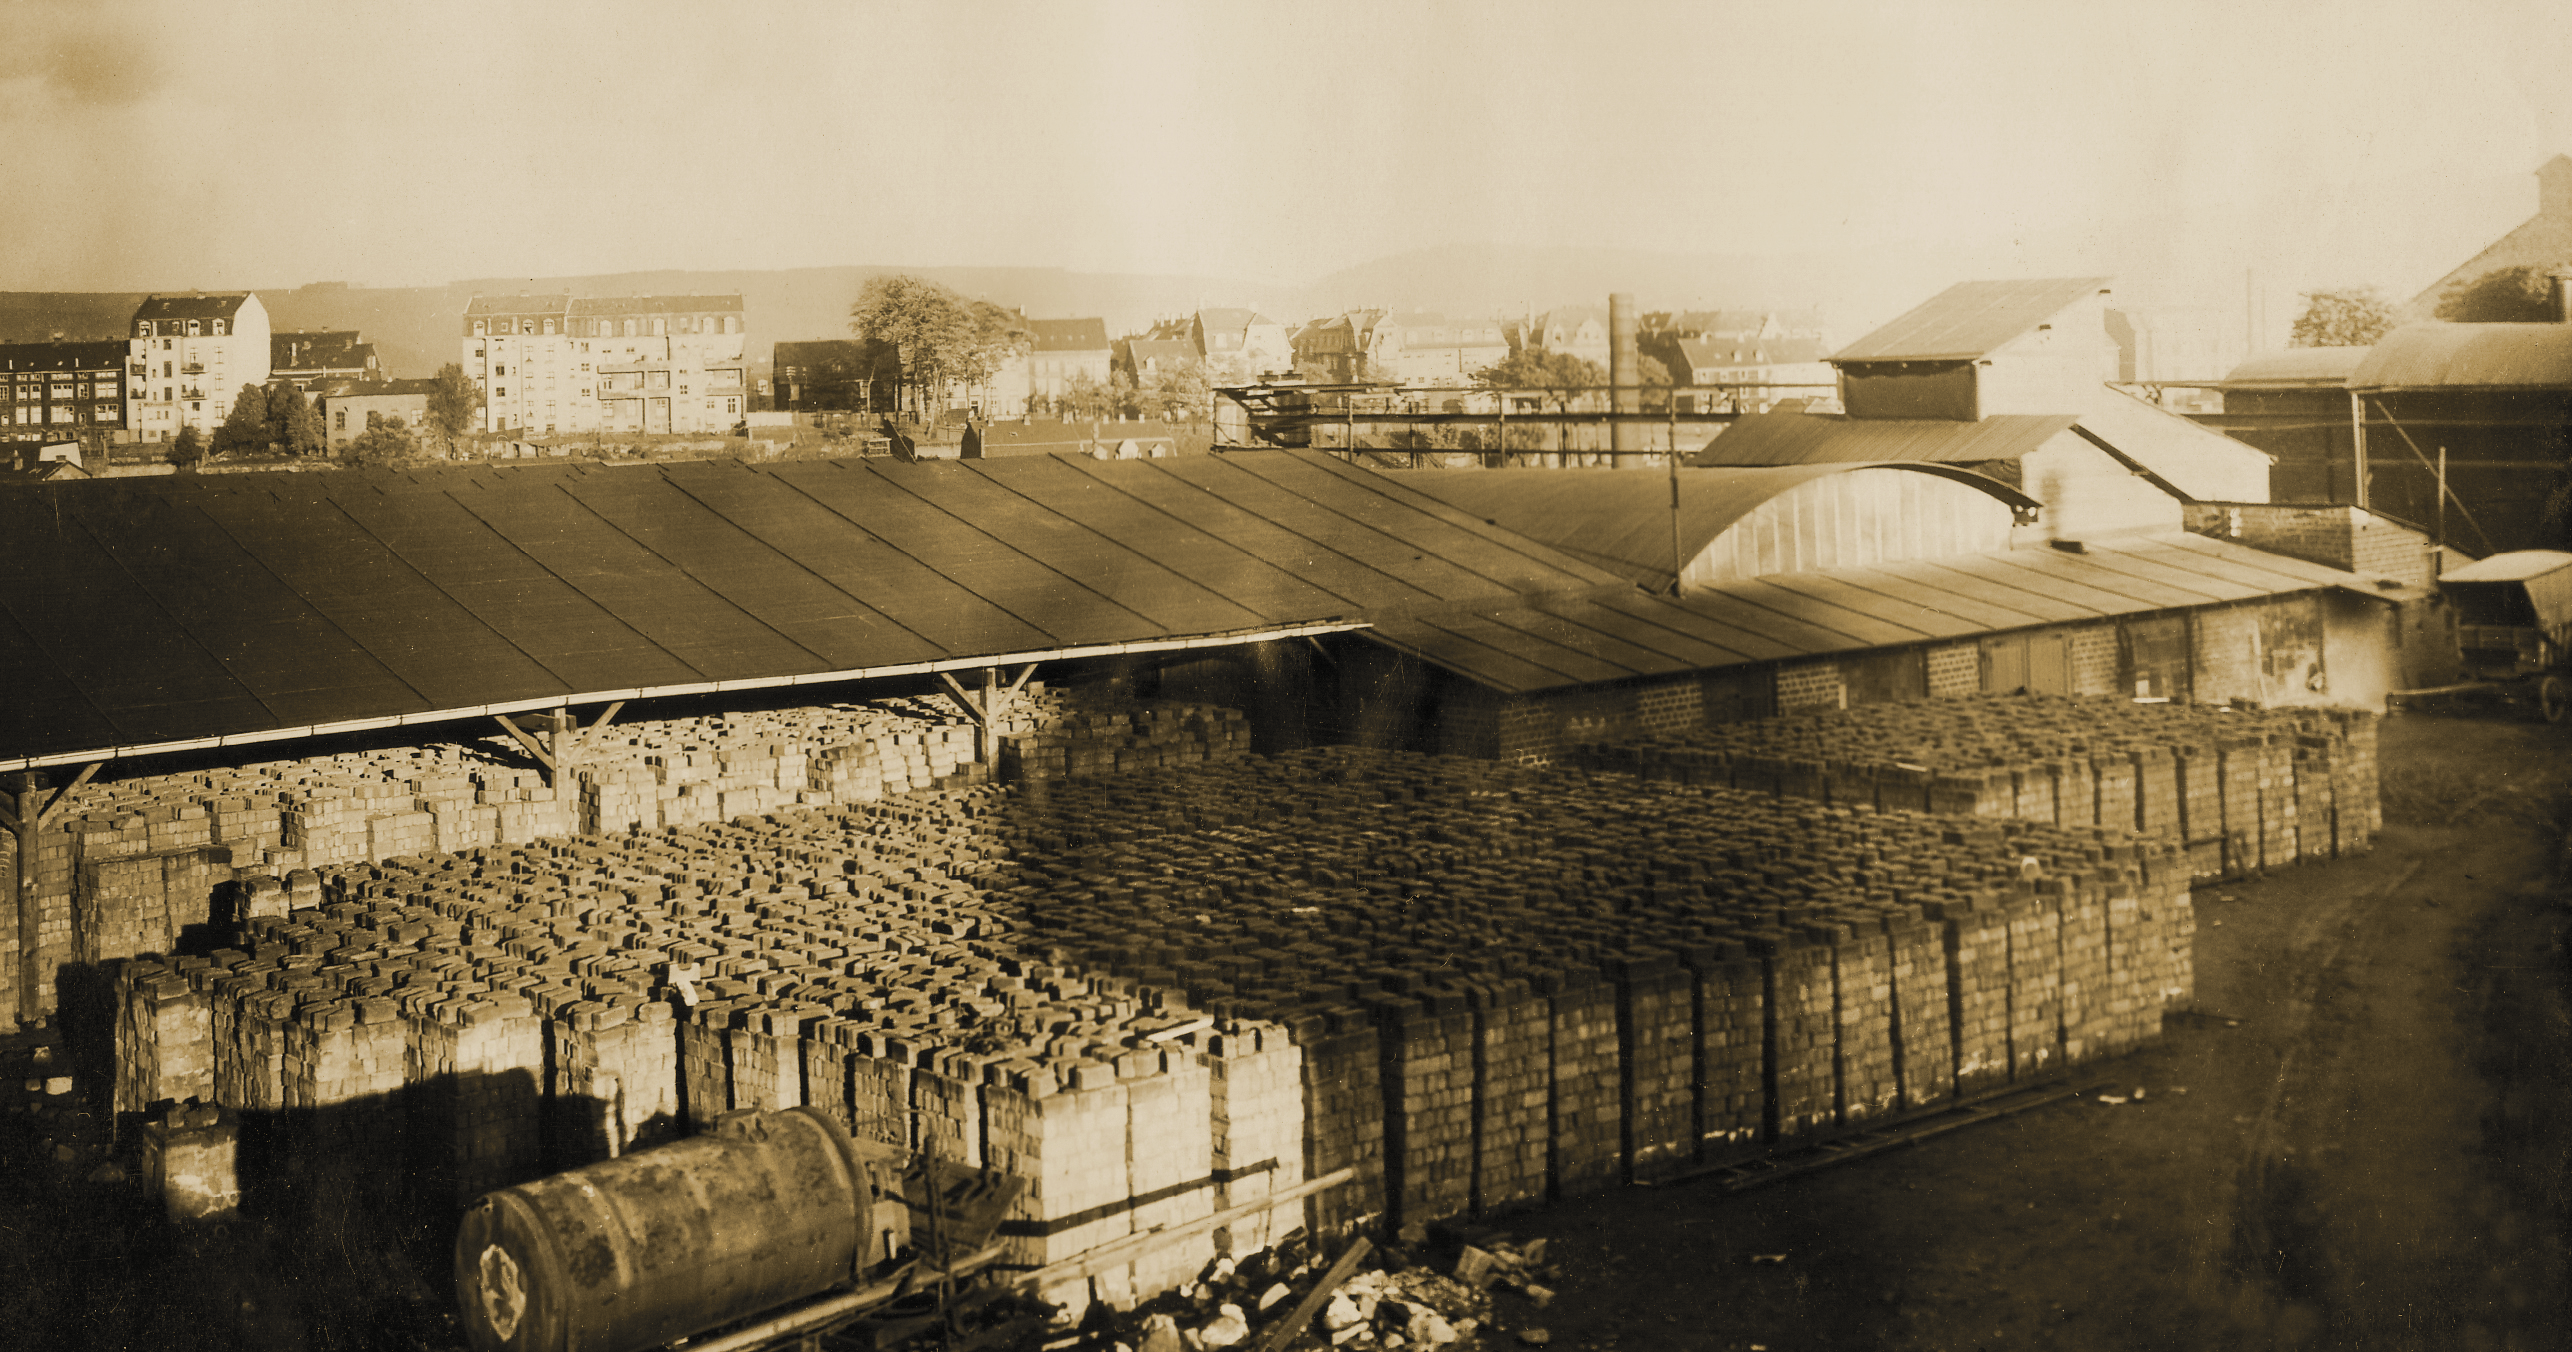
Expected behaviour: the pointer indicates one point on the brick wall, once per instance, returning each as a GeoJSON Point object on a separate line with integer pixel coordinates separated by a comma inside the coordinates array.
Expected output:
{"type": "Point", "coordinates": [1810, 685]}
{"type": "Point", "coordinates": [2097, 660]}
{"type": "Point", "coordinates": [1955, 670]}
{"type": "Point", "coordinates": [2335, 536]}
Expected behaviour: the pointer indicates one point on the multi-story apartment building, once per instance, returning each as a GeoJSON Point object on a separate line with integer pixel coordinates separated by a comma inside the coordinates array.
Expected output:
{"type": "Point", "coordinates": [188, 356]}
{"type": "Point", "coordinates": [617, 364]}
{"type": "Point", "coordinates": [57, 391]}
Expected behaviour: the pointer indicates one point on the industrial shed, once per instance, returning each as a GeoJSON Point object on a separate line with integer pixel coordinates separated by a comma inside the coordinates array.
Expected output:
{"type": "Point", "coordinates": [2492, 403]}
{"type": "Point", "coordinates": [2170, 616]}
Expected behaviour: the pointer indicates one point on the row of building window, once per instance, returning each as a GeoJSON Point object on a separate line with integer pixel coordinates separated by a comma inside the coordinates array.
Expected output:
{"type": "Point", "coordinates": [609, 328]}
{"type": "Point", "coordinates": [154, 328]}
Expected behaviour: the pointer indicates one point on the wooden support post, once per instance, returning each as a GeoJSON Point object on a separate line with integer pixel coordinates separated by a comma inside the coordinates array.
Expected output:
{"type": "Point", "coordinates": [2358, 442]}
{"type": "Point", "coordinates": [989, 752]}
{"type": "Point", "coordinates": [960, 697]}
{"type": "Point", "coordinates": [606, 715]}
{"type": "Point", "coordinates": [543, 758]}
{"type": "Point", "coordinates": [1283, 1331]}
{"type": "Point", "coordinates": [26, 808]}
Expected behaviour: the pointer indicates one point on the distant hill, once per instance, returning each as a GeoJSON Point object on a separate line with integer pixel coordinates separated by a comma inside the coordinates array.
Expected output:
{"type": "Point", "coordinates": [76, 316]}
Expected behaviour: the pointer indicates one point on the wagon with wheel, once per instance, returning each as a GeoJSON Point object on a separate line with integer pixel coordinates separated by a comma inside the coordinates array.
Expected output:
{"type": "Point", "coordinates": [2513, 616]}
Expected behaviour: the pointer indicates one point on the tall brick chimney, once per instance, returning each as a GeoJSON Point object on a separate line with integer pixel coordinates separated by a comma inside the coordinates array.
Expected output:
{"type": "Point", "coordinates": [1625, 375]}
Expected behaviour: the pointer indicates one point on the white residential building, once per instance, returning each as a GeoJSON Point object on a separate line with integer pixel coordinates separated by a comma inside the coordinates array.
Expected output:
{"type": "Point", "coordinates": [189, 355]}
{"type": "Point", "coordinates": [616, 364]}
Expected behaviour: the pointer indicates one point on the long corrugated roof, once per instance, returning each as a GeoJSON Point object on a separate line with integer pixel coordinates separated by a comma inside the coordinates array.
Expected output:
{"type": "Point", "coordinates": [1969, 319]}
{"type": "Point", "coordinates": [2518, 565]}
{"type": "Point", "coordinates": [2297, 366]}
{"type": "Point", "coordinates": [1794, 437]}
{"type": "Point", "coordinates": [1621, 522]}
{"type": "Point", "coordinates": [1520, 645]}
{"type": "Point", "coordinates": [152, 614]}
{"type": "Point", "coordinates": [2486, 356]}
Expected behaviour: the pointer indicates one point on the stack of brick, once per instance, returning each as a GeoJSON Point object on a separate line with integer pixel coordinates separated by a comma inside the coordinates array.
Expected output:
{"type": "Point", "coordinates": [1731, 1053]}
{"type": "Point", "coordinates": [1255, 1108]}
{"type": "Point", "coordinates": [2247, 789]}
{"type": "Point", "coordinates": [164, 1037]}
{"type": "Point", "coordinates": [187, 1155]}
{"type": "Point", "coordinates": [1703, 969]}
{"type": "Point", "coordinates": [1513, 1056]}
{"type": "Point", "coordinates": [475, 1067]}
{"type": "Point", "coordinates": [1103, 740]}
{"type": "Point", "coordinates": [1657, 1062]}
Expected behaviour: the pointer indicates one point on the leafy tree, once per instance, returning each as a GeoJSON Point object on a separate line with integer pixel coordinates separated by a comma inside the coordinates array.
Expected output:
{"type": "Point", "coordinates": [189, 448]}
{"type": "Point", "coordinates": [1085, 397]}
{"type": "Point", "coordinates": [2349, 317]}
{"type": "Point", "coordinates": [1178, 392]}
{"type": "Point", "coordinates": [245, 427]}
{"type": "Point", "coordinates": [452, 403]}
{"type": "Point", "coordinates": [297, 426]}
{"type": "Point", "coordinates": [1560, 374]}
{"type": "Point", "coordinates": [385, 440]}
{"type": "Point", "coordinates": [942, 338]}
{"type": "Point", "coordinates": [2501, 296]}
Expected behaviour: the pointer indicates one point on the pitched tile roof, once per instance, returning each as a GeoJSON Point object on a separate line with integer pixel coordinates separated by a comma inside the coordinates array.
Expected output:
{"type": "Point", "coordinates": [1969, 319]}
{"type": "Point", "coordinates": [196, 305]}
{"type": "Point", "coordinates": [1069, 335]}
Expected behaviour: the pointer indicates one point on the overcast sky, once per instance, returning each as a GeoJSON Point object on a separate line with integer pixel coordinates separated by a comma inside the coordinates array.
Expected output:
{"type": "Point", "coordinates": [230, 143]}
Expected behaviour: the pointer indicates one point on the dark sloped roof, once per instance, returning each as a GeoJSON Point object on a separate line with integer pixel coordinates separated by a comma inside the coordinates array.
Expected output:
{"type": "Point", "coordinates": [517, 305]}
{"type": "Point", "coordinates": [1794, 437]}
{"type": "Point", "coordinates": [1621, 522]}
{"type": "Point", "coordinates": [2487, 356]}
{"type": "Point", "coordinates": [1069, 335]}
{"type": "Point", "coordinates": [1969, 319]}
{"type": "Point", "coordinates": [218, 305]}
{"type": "Point", "coordinates": [1703, 352]}
{"type": "Point", "coordinates": [326, 348]}
{"type": "Point", "coordinates": [1174, 350]}
{"type": "Point", "coordinates": [71, 356]}
{"type": "Point", "coordinates": [154, 614]}
{"type": "Point", "coordinates": [2297, 366]}
{"type": "Point", "coordinates": [1520, 645]}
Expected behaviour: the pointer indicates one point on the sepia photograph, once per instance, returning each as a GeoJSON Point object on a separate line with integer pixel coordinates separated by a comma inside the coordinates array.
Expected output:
{"type": "Point", "coordinates": [1128, 676]}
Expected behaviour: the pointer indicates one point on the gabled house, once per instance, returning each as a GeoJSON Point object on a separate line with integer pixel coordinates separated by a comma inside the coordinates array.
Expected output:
{"type": "Point", "coordinates": [2011, 378]}
{"type": "Point", "coordinates": [1061, 351]}
{"type": "Point", "coordinates": [1581, 330]}
{"type": "Point", "coordinates": [1239, 346]}
{"type": "Point", "coordinates": [1742, 372]}
{"type": "Point", "coordinates": [2543, 240]}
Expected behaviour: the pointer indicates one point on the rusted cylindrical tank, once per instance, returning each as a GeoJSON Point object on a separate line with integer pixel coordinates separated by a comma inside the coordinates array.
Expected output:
{"type": "Point", "coordinates": [766, 1209]}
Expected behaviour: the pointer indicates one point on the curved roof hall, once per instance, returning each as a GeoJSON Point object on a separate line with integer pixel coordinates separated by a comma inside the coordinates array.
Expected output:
{"type": "Point", "coordinates": [1622, 521]}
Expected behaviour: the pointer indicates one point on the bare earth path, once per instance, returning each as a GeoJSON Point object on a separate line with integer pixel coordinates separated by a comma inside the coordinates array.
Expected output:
{"type": "Point", "coordinates": [2364, 1147]}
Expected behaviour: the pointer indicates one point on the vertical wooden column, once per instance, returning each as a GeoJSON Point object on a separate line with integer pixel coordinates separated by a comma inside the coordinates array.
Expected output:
{"type": "Point", "coordinates": [26, 802]}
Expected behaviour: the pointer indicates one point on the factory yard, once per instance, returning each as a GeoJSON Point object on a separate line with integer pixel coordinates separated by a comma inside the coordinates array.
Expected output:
{"type": "Point", "coordinates": [2360, 1145]}
{"type": "Point", "coordinates": [2355, 1142]}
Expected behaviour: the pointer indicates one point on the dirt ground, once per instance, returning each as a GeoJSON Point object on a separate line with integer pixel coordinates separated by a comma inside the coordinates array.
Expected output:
{"type": "Point", "coordinates": [2358, 1142]}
